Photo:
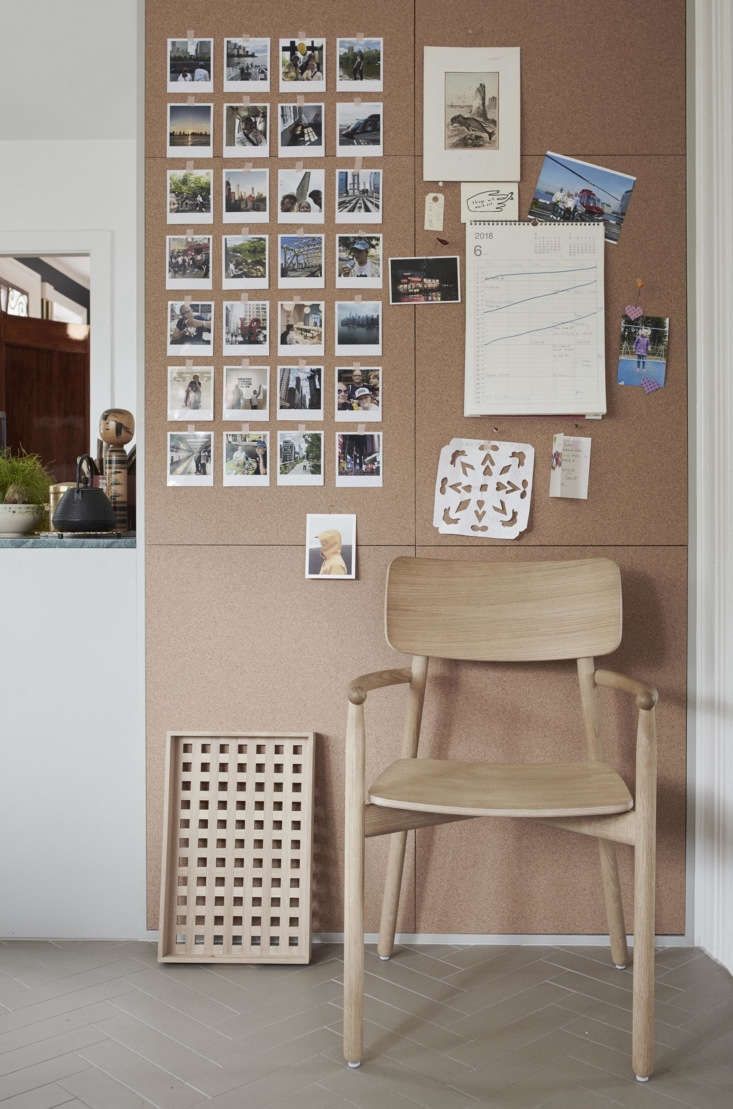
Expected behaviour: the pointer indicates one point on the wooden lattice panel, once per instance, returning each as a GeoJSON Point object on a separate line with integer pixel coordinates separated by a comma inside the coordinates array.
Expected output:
{"type": "Point", "coordinates": [236, 881]}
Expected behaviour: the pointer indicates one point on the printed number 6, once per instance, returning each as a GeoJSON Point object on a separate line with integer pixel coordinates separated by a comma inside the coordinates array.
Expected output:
{"type": "Point", "coordinates": [477, 251]}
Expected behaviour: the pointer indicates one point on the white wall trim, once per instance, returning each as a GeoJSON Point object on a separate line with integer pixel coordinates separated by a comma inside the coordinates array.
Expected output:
{"type": "Point", "coordinates": [98, 245]}
{"type": "Point", "coordinates": [712, 692]}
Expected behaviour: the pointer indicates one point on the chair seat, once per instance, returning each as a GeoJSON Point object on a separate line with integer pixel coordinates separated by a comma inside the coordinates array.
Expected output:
{"type": "Point", "coordinates": [501, 789]}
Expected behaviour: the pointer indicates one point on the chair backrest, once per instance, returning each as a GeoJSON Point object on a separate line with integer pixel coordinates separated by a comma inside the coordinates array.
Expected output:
{"type": "Point", "coordinates": [503, 611]}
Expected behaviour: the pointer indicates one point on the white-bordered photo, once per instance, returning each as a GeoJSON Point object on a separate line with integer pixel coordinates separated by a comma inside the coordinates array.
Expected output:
{"type": "Point", "coordinates": [190, 458]}
{"type": "Point", "coordinates": [330, 546]}
{"type": "Point", "coordinates": [244, 261]}
{"type": "Point", "coordinates": [302, 64]}
{"type": "Point", "coordinates": [300, 457]}
{"type": "Point", "coordinates": [190, 64]}
{"type": "Point", "coordinates": [246, 327]}
{"type": "Point", "coordinates": [425, 280]}
{"type": "Point", "coordinates": [300, 195]}
{"type": "Point", "coordinates": [246, 131]}
{"type": "Point", "coordinates": [246, 65]}
{"type": "Point", "coordinates": [300, 261]}
{"type": "Point", "coordinates": [359, 261]}
{"type": "Point", "coordinates": [359, 129]}
{"type": "Point", "coordinates": [300, 131]}
{"type": "Point", "coordinates": [471, 117]}
{"type": "Point", "coordinates": [246, 393]}
{"type": "Point", "coordinates": [246, 457]}
{"type": "Point", "coordinates": [358, 394]}
{"type": "Point", "coordinates": [358, 196]}
{"type": "Point", "coordinates": [359, 65]}
{"type": "Point", "coordinates": [300, 392]}
{"type": "Point", "coordinates": [358, 327]}
{"type": "Point", "coordinates": [188, 261]}
{"type": "Point", "coordinates": [359, 459]}
{"type": "Point", "coordinates": [300, 328]}
{"type": "Point", "coordinates": [190, 393]}
{"type": "Point", "coordinates": [246, 196]}
{"type": "Point", "coordinates": [190, 131]}
{"type": "Point", "coordinates": [189, 196]}
{"type": "Point", "coordinates": [190, 327]}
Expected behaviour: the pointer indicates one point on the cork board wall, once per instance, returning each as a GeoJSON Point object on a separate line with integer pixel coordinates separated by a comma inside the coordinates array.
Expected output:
{"type": "Point", "coordinates": [238, 640]}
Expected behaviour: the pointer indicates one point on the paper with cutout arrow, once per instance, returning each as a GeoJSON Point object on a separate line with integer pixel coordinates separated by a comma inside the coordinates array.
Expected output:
{"type": "Point", "coordinates": [496, 508]}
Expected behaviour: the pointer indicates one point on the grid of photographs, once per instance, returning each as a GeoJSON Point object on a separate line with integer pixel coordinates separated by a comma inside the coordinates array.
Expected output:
{"type": "Point", "coordinates": [238, 271]}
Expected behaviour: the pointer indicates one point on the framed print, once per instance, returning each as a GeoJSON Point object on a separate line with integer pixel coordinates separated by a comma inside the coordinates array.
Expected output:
{"type": "Point", "coordinates": [189, 65]}
{"type": "Point", "coordinates": [471, 119]}
{"type": "Point", "coordinates": [330, 546]}
{"type": "Point", "coordinates": [245, 457]}
{"type": "Point", "coordinates": [246, 65]}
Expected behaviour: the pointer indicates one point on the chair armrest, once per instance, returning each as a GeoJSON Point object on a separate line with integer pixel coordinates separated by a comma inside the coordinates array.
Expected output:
{"type": "Point", "coordinates": [377, 680]}
{"type": "Point", "coordinates": [646, 696]}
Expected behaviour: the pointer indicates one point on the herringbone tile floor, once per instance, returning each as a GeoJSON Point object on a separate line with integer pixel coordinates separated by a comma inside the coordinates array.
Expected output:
{"type": "Point", "coordinates": [102, 1025]}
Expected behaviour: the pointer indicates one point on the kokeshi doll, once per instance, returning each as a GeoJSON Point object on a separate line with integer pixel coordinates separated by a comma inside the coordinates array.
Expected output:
{"type": "Point", "coordinates": [116, 429]}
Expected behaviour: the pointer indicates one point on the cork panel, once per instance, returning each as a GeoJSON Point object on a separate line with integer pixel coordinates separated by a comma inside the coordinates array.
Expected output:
{"type": "Point", "coordinates": [275, 514]}
{"type": "Point", "coordinates": [641, 444]}
{"type": "Point", "coordinates": [527, 878]}
{"type": "Point", "coordinates": [331, 19]}
{"type": "Point", "coordinates": [237, 640]}
{"type": "Point", "coordinates": [608, 85]}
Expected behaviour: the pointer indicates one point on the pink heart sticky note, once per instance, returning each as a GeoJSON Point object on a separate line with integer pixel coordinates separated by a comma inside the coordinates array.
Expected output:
{"type": "Point", "coordinates": [633, 311]}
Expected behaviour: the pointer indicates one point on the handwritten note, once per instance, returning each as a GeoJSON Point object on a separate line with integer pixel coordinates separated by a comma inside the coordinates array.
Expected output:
{"type": "Point", "coordinates": [489, 200]}
{"type": "Point", "coordinates": [570, 468]}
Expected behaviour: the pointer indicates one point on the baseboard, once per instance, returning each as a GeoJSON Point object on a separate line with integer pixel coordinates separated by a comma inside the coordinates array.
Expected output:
{"type": "Point", "coordinates": [460, 939]}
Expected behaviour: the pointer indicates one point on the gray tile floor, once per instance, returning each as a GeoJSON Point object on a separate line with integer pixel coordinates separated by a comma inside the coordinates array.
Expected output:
{"type": "Point", "coordinates": [102, 1025]}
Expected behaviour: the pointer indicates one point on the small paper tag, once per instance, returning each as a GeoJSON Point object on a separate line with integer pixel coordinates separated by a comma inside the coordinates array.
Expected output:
{"type": "Point", "coordinates": [434, 207]}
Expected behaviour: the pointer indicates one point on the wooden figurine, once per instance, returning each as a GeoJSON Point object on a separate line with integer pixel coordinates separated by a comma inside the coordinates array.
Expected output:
{"type": "Point", "coordinates": [116, 429]}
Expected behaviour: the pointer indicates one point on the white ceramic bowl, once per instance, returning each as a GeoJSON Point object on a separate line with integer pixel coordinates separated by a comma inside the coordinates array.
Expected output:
{"type": "Point", "coordinates": [17, 520]}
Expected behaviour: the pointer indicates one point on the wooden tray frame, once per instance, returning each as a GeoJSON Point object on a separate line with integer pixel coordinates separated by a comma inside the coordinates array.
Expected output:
{"type": "Point", "coordinates": [237, 847]}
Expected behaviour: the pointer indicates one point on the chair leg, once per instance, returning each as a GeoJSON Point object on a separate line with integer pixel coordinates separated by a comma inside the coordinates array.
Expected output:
{"type": "Point", "coordinates": [643, 998]}
{"type": "Point", "coordinates": [391, 898]}
{"type": "Point", "coordinates": [354, 889]}
{"type": "Point", "coordinates": [614, 904]}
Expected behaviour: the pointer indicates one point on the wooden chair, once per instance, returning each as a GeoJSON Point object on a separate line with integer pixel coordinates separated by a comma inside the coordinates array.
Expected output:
{"type": "Point", "coordinates": [503, 612]}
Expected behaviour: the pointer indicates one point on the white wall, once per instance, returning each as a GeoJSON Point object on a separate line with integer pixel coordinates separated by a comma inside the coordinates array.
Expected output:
{"type": "Point", "coordinates": [72, 787]}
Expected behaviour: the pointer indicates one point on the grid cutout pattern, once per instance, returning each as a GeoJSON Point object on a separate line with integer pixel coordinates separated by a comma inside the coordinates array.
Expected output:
{"type": "Point", "coordinates": [236, 882]}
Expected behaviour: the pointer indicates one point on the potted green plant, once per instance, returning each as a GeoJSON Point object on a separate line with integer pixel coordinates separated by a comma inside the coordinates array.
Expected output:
{"type": "Point", "coordinates": [24, 485]}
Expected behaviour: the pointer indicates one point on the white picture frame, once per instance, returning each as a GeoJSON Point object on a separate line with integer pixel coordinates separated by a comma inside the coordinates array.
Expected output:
{"type": "Point", "coordinates": [469, 135]}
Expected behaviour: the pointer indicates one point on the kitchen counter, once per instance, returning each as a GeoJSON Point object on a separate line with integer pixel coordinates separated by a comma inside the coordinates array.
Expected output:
{"type": "Point", "coordinates": [69, 541]}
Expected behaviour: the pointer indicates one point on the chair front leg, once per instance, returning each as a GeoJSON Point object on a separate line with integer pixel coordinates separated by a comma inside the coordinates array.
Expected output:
{"type": "Point", "coordinates": [354, 888]}
{"type": "Point", "coordinates": [644, 904]}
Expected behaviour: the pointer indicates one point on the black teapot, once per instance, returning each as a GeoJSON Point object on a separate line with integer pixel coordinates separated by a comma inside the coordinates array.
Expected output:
{"type": "Point", "coordinates": [84, 508]}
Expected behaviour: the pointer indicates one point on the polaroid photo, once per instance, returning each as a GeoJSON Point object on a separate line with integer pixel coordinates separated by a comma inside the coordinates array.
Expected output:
{"type": "Point", "coordinates": [246, 457]}
{"type": "Point", "coordinates": [190, 327]}
{"type": "Point", "coordinates": [643, 346]}
{"type": "Point", "coordinates": [246, 196]}
{"type": "Point", "coordinates": [301, 131]}
{"type": "Point", "coordinates": [300, 328]}
{"type": "Point", "coordinates": [471, 113]}
{"type": "Point", "coordinates": [244, 262]}
{"type": "Point", "coordinates": [358, 394]}
{"type": "Point", "coordinates": [359, 458]}
{"type": "Point", "coordinates": [246, 327]}
{"type": "Point", "coordinates": [246, 394]}
{"type": "Point", "coordinates": [358, 196]}
{"type": "Point", "coordinates": [190, 131]}
{"type": "Point", "coordinates": [489, 200]}
{"type": "Point", "coordinates": [435, 280]}
{"type": "Point", "coordinates": [246, 65]}
{"type": "Point", "coordinates": [300, 393]}
{"type": "Point", "coordinates": [190, 393]}
{"type": "Point", "coordinates": [300, 258]}
{"type": "Point", "coordinates": [358, 261]}
{"type": "Point", "coordinates": [300, 195]}
{"type": "Point", "coordinates": [300, 458]}
{"type": "Point", "coordinates": [358, 326]}
{"type": "Point", "coordinates": [330, 546]}
{"type": "Point", "coordinates": [571, 191]}
{"type": "Point", "coordinates": [188, 261]}
{"type": "Point", "coordinates": [303, 63]}
{"type": "Point", "coordinates": [359, 65]}
{"type": "Point", "coordinates": [359, 129]}
{"type": "Point", "coordinates": [246, 131]}
{"type": "Point", "coordinates": [189, 196]}
{"type": "Point", "coordinates": [190, 458]}
{"type": "Point", "coordinates": [190, 65]}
